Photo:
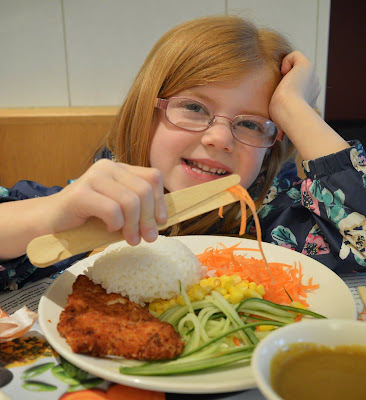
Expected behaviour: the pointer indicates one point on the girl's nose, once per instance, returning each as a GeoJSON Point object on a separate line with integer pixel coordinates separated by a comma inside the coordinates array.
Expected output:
{"type": "Point", "coordinates": [219, 135]}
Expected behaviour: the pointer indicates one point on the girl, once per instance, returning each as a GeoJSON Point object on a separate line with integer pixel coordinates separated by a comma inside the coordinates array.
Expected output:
{"type": "Point", "coordinates": [213, 98]}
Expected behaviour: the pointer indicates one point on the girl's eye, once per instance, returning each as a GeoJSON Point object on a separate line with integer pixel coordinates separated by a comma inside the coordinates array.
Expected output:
{"type": "Point", "coordinates": [195, 107]}
{"type": "Point", "coordinates": [251, 125]}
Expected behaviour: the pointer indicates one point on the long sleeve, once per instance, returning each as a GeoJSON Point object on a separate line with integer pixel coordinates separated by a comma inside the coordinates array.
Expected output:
{"type": "Point", "coordinates": [16, 272]}
{"type": "Point", "coordinates": [322, 216]}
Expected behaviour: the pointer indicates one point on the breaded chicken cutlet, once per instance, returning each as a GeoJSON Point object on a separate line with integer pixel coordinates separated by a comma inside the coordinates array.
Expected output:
{"type": "Point", "coordinates": [100, 324]}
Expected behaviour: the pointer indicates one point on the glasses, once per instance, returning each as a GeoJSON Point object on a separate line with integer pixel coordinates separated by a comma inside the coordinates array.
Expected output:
{"type": "Point", "coordinates": [191, 115]}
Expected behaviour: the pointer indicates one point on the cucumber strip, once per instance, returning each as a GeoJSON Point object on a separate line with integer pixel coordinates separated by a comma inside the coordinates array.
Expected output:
{"type": "Point", "coordinates": [226, 333]}
{"type": "Point", "coordinates": [175, 313]}
{"type": "Point", "coordinates": [232, 314]}
{"type": "Point", "coordinates": [169, 368]}
{"type": "Point", "coordinates": [205, 314]}
{"type": "Point", "coordinates": [198, 333]}
{"type": "Point", "coordinates": [276, 309]}
{"type": "Point", "coordinates": [273, 317]}
{"type": "Point", "coordinates": [216, 326]}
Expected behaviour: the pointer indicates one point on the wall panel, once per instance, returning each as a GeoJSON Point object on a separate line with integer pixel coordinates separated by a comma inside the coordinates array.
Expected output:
{"type": "Point", "coordinates": [107, 44]}
{"type": "Point", "coordinates": [33, 65]}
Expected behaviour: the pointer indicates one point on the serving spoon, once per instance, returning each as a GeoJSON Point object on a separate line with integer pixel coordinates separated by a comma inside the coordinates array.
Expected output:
{"type": "Point", "coordinates": [181, 205]}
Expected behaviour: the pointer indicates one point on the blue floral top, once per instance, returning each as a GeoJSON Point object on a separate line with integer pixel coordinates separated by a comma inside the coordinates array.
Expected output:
{"type": "Point", "coordinates": [322, 216]}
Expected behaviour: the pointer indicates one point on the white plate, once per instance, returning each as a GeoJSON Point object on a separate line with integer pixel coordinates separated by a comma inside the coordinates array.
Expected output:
{"type": "Point", "coordinates": [333, 299]}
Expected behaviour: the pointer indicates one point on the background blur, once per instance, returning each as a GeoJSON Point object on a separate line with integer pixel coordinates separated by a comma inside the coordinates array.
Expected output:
{"type": "Point", "coordinates": [87, 52]}
{"type": "Point", "coordinates": [66, 65]}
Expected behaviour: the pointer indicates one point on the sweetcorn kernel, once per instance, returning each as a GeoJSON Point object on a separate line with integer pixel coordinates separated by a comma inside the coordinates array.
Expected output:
{"type": "Point", "coordinates": [265, 328]}
{"type": "Point", "coordinates": [208, 289]}
{"type": "Point", "coordinates": [221, 290]}
{"type": "Point", "coordinates": [236, 278]}
{"type": "Point", "coordinates": [229, 286]}
{"type": "Point", "coordinates": [198, 292]}
{"type": "Point", "coordinates": [216, 282]}
{"type": "Point", "coordinates": [236, 294]}
{"type": "Point", "coordinates": [206, 282]}
{"type": "Point", "coordinates": [261, 290]}
{"type": "Point", "coordinates": [225, 280]}
{"type": "Point", "coordinates": [242, 284]}
{"type": "Point", "coordinates": [153, 305]}
{"type": "Point", "coordinates": [227, 297]}
{"type": "Point", "coordinates": [180, 300]}
{"type": "Point", "coordinates": [192, 292]}
{"type": "Point", "coordinates": [249, 293]}
{"type": "Point", "coordinates": [172, 302]}
{"type": "Point", "coordinates": [297, 305]}
{"type": "Point", "coordinates": [252, 285]}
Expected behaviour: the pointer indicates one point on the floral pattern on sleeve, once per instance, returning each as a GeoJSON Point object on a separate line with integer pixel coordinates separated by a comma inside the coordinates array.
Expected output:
{"type": "Point", "coordinates": [4, 192]}
{"type": "Point", "coordinates": [315, 243]}
{"type": "Point", "coordinates": [322, 216]}
{"type": "Point", "coordinates": [351, 225]}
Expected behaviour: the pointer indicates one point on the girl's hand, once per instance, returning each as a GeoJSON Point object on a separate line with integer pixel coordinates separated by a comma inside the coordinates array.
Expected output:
{"type": "Point", "coordinates": [300, 83]}
{"type": "Point", "coordinates": [292, 109]}
{"type": "Point", "coordinates": [125, 197]}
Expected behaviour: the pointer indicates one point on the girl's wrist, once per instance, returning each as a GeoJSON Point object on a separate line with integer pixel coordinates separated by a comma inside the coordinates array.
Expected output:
{"type": "Point", "coordinates": [285, 111]}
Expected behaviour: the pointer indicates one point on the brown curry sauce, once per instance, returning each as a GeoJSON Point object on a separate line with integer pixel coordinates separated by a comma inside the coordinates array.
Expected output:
{"type": "Point", "coordinates": [311, 371]}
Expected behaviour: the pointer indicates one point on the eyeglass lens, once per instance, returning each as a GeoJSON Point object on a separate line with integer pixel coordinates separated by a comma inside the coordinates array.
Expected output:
{"type": "Point", "coordinates": [194, 116]}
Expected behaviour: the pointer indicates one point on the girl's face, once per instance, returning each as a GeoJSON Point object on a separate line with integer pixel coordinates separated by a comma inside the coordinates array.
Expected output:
{"type": "Point", "coordinates": [188, 158]}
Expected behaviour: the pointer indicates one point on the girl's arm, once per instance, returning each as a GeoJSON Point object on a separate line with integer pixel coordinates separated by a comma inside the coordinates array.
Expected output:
{"type": "Point", "coordinates": [292, 109]}
{"type": "Point", "coordinates": [125, 197]}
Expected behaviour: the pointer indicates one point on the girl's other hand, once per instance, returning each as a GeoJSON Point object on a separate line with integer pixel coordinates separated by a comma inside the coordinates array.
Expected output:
{"type": "Point", "coordinates": [292, 109]}
{"type": "Point", "coordinates": [125, 197]}
{"type": "Point", "coordinates": [300, 83]}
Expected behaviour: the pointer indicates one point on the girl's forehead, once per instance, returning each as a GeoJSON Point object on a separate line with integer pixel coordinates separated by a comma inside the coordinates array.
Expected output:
{"type": "Point", "coordinates": [249, 94]}
{"type": "Point", "coordinates": [255, 79]}
{"type": "Point", "coordinates": [254, 83]}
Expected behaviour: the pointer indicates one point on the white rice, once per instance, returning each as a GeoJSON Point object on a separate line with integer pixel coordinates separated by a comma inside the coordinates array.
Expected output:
{"type": "Point", "coordinates": [148, 271]}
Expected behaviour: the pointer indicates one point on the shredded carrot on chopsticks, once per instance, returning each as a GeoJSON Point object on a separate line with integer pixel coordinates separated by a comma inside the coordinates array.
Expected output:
{"type": "Point", "coordinates": [245, 199]}
{"type": "Point", "coordinates": [288, 277]}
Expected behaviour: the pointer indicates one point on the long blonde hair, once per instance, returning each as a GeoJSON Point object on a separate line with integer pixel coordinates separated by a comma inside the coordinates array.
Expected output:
{"type": "Point", "coordinates": [197, 52]}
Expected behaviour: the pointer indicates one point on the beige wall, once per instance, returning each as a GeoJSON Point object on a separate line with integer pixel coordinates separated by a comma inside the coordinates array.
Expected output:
{"type": "Point", "coordinates": [71, 53]}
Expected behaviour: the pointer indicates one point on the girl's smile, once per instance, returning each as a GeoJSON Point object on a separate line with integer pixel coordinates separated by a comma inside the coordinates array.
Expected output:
{"type": "Point", "coordinates": [187, 158]}
{"type": "Point", "coordinates": [206, 168]}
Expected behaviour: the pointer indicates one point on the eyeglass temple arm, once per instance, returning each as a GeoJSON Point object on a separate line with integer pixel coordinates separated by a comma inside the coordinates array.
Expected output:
{"type": "Point", "coordinates": [161, 103]}
{"type": "Point", "coordinates": [280, 136]}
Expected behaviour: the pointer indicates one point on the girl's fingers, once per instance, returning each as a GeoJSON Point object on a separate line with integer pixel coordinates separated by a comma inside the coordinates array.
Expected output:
{"type": "Point", "coordinates": [299, 78]}
{"type": "Point", "coordinates": [104, 208]}
{"type": "Point", "coordinates": [286, 65]}
{"type": "Point", "coordinates": [135, 195]}
{"type": "Point", "coordinates": [145, 182]}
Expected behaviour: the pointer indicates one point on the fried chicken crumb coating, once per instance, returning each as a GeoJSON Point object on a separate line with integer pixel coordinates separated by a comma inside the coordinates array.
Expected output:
{"type": "Point", "coordinates": [100, 324]}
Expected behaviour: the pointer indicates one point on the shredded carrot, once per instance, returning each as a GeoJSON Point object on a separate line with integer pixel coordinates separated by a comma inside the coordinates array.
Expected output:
{"type": "Point", "coordinates": [245, 199]}
{"type": "Point", "coordinates": [236, 341]}
{"type": "Point", "coordinates": [221, 212]}
{"type": "Point", "coordinates": [225, 261]}
{"type": "Point", "coordinates": [288, 284]}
